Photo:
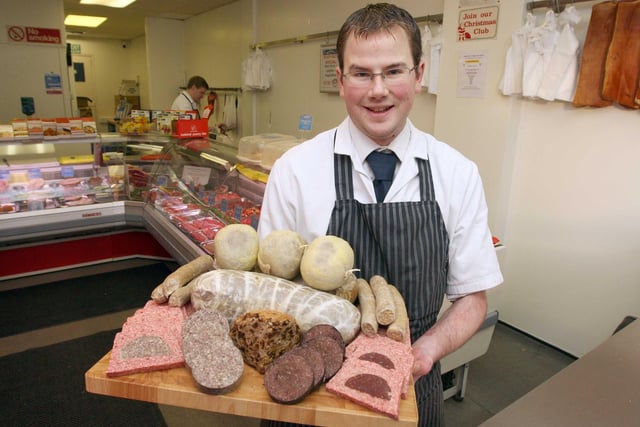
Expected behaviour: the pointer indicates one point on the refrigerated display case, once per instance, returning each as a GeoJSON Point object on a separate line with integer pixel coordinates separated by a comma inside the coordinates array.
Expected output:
{"type": "Point", "coordinates": [198, 187]}
{"type": "Point", "coordinates": [180, 191]}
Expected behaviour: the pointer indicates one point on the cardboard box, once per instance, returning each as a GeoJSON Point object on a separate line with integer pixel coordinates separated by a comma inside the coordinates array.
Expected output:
{"type": "Point", "coordinates": [49, 128]}
{"type": "Point", "coordinates": [89, 126]}
{"type": "Point", "coordinates": [63, 126]}
{"type": "Point", "coordinates": [20, 128]}
{"type": "Point", "coordinates": [34, 126]}
{"type": "Point", "coordinates": [190, 128]}
{"type": "Point", "coordinates": [6, 132]}
{"type": "Point", "coordinates": [75, 124]}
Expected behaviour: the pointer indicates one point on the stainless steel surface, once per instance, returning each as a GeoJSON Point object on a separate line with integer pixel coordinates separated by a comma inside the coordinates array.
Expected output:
{"type": "Point", "coordinates": [22, 227]}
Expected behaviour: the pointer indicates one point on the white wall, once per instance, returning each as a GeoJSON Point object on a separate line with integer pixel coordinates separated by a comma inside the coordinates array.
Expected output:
{"type": "Point", "coordinates": [113, 63]}
{"type": "Point", "coordinates": [24, 65]}
{"type": "Point", "coordinates": [165, 61]}
{"type": "Point", "coordinates": [216, 44]}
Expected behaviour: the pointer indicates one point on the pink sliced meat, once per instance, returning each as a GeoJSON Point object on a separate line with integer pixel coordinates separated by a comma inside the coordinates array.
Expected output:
{"type": "Point", "coordinates": [376, 373]}
{"type": "Point", "coordinates": [150, 340]}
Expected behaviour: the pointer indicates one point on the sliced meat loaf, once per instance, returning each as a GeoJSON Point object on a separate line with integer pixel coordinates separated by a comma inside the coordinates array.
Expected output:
{"type": "Point", "coordinates": [376, 373]}
{"type": "Point", "coordinates": [149, 340]}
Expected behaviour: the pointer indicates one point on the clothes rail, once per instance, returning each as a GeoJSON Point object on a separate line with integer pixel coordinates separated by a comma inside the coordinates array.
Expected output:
{"type": "Point", "coordinates": [225, 89]}
{"type": "Point", "coordinates": [556, 5]}
{"type": "Point", "coordinates": [330, 34]}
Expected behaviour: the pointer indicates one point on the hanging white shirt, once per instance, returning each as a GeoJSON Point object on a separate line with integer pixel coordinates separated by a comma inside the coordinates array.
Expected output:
{"type": "Point", "coordinates": [511, 82]}
{"type": "Point", "coordinates": [256, 70]}
{"type": "Point", "coordinates": [542, 41]}
{"type": "Point", "coordinates": [426, 54]}
{"type": "Point", "coordinates": [560, 76]}
{"type": "Point", "coordinates": [434, 63]}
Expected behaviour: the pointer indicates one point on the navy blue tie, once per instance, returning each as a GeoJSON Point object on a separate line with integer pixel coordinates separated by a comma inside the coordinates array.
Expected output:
{"type": "Point", "coordinates": [383, 165]}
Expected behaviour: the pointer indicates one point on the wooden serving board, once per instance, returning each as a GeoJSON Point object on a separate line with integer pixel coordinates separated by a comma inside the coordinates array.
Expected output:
{"type": "Point", "coordinates": [176, 387]}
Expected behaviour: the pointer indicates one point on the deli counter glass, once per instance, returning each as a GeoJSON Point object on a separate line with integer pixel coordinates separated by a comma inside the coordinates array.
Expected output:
{"type": "Point", "coordinates": [182, 190]}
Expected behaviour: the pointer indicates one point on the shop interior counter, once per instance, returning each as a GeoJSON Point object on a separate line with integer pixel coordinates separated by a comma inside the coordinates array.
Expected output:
{"type": "Point", "coordinates": [176, 387]}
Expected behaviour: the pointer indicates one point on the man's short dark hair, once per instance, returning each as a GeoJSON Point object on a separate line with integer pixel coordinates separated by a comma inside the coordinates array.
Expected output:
{"type": "Point", "coordinates": [375, 18]}
{"type": "Point", "coordinates": [198, 82]}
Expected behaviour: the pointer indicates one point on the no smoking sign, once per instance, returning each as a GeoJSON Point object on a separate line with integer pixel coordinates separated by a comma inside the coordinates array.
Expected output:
{"type": "Point", "coordinates": [16, 33]}
{"type": "Point", "coordinates": [20, 34]}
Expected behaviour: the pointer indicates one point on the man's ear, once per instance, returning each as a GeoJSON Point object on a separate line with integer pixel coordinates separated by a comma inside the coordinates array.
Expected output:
{"type": "Point", "coordinates": [419, 73]}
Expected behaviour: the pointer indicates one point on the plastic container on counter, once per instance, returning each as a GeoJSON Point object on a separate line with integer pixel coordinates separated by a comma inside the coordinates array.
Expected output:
{"type": "Point", "coordinates": [250, 148]}
{"type": "Point", "coordinates": [272, 152]}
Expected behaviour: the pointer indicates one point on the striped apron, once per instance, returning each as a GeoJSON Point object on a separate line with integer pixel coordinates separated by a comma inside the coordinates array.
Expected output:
{"type": "Point", "coordinates": [406, 243]}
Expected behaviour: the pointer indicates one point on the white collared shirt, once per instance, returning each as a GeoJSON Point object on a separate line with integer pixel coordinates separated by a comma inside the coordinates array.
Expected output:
{"type": "Point", "coordinates": [184, 102]}
{"type": "Point", "coordinates": [300, 195]}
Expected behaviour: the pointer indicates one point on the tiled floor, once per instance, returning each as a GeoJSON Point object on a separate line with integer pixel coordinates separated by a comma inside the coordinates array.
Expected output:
{"type": "Point", "coordinates": [513, 365]}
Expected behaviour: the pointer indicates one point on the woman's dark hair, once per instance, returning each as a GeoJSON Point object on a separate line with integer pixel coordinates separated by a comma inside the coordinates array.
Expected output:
{"type": "Point", "coordinates": [377, 17]}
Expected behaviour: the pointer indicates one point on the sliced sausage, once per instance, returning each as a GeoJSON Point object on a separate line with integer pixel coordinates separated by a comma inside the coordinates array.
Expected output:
{"type": "Point", "coordinates": [332, 354]}
{"type": "Point", "coordinates": [323, 330]}
{"type": "Point", "coordinates": [314, 358]}
{"type": "Point", "coordinates": [289, 378]}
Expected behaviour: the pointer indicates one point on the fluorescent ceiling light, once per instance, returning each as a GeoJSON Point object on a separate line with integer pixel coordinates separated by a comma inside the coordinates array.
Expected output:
{"type": "Point", "coordinates": [108, 3]}
{"type": "Point", "coordinates": [84, 21]}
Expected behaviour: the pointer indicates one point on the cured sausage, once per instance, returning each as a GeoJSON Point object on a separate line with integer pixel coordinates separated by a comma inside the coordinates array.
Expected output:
{"type": "Point", "coordinates": [233, 292]}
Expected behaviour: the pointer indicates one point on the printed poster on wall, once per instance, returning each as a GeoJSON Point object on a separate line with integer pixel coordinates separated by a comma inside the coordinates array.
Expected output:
{"type": "Point", "coordinates": [472, 74]}
{"type": "Point", "coordinates": [53, 83]}
{"type": "Point", "coordinates": [328, 65]}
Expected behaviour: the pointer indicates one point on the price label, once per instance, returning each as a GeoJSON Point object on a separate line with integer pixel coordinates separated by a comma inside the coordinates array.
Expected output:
{"type": "Point", "coordinates": [67, 171]}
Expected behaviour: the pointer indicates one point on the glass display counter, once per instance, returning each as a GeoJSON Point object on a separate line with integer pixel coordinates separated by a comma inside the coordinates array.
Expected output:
{"type": "Point", "coordinates": [198, 186]}
{"type": "Point", "coordinates": [182, 191]}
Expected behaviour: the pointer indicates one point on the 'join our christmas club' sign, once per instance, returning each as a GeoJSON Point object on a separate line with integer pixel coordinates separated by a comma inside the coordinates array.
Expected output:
{"type": "Point", "coordinates": [479, 23]}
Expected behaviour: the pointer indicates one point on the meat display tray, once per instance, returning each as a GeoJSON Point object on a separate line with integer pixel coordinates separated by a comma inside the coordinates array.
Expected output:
{"type": "Point", "coordinates": [176, 387]}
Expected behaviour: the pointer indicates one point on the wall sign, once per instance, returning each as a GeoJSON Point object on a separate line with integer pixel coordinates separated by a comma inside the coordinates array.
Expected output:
{"type": "Point", "coordinates": [472, 74]}
{"type": "Point", "coordinates": [53, 83]}
{"type": "Point", "coordinates": [22, 34]}
{"type": "Point", "coordinates": [328, 65]}
{"type": "Point", "coordinates": [478, 23]}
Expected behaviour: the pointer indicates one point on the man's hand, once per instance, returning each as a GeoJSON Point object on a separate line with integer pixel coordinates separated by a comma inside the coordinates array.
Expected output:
{"type": "Point", "coordinates": [456, 325]}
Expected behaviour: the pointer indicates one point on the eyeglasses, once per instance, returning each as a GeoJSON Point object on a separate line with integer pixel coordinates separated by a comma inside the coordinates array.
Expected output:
{"type": "Point", "coordinates": [391, 76]}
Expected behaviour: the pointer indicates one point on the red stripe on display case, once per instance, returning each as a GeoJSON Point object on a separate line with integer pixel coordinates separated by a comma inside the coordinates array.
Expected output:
{"type": "Point", "coordinates": [16, 261]}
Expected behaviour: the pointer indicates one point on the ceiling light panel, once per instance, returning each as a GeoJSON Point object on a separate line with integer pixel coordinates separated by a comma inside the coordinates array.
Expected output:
{"type": "Point", "coordinates": [108, 3]}
{"type": "Point", "coordinates": [84, 21]}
